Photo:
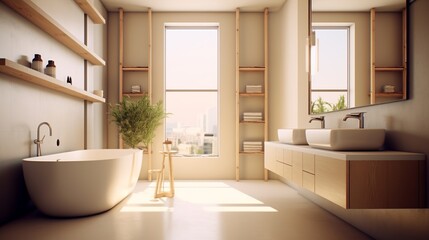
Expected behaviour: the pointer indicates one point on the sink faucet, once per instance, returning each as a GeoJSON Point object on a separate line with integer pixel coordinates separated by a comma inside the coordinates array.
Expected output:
{"type": "Point", "coordinates": [39, 141]}
{"type": "Point", "coordinates": [321, 119]}
{"type": "Point", "coordinates": [359, 116]}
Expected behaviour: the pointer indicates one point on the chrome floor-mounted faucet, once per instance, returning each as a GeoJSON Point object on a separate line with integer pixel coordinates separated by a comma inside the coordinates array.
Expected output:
{"type": "Point", "coordinates": [39, 141]}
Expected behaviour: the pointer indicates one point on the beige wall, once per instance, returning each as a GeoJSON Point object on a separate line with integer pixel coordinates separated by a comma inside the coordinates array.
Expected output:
{"type": "Point", "coordinates": [24, 105]}
{"type": "Point", "coordinates": [287, 76]}
{"type": "Point", "coordinates": [222, 167]}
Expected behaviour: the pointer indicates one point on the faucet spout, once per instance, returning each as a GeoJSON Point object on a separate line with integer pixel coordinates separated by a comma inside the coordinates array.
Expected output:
{"type": "Point", "coordinates": [39, 141]}
{"type": "Point", "coordinates": [321, 119]}
{"type": "Point", "coordinates": [359, 116]}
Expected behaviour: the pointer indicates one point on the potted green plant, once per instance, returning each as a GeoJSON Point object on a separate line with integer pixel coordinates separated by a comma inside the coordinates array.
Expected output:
{"type": "Point", "coordinates": [319, 106]}
{"type": "Point", "coordinates": [340, 105]}
{"type": "Point", "coordinates": [137, 120]}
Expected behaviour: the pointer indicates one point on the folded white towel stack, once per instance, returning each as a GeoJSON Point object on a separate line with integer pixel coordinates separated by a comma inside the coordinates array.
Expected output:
{"type": "Point", "coordinates": [252, 116]}
{"type": "Point", "coordinates": [135, 89]}
{"type": "Point", "coordinates": [253, 88]}
{"type": "Point", "coordinates": [252, 146]}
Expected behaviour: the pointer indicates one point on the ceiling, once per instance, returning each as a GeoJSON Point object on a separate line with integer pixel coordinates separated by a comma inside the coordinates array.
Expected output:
{"type": "Point", "coordinates": [193, 5]}
{"type": "Point", "coordinates": [247, 5]}
{"type": "Point", "coordinates": [356, 5]}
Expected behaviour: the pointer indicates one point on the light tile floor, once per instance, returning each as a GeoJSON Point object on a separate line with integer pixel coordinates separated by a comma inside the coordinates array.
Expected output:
{"type": "Point", "coordinates": [200, 210]}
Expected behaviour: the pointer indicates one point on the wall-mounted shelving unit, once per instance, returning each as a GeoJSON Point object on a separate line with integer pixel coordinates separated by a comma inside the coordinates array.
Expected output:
{"type": "Point", "coordinates": [42, 20]}
{"type": "Point", "coordinates": [27, 74]}
{"type": "Point", "coordinates": [241, 97]}
{"type": "Point", "coordinates": [88, 8]}
{"type": "Point", "coordinates": [376, 70]}
{"type": "Point", "coordinates": [138, 69]}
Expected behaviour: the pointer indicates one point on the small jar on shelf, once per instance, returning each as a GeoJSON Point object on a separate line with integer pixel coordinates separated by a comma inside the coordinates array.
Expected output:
{"type": "Point", "coordinates": [51, 69]}
{"type": "Point", "coordinates": [37, 63]}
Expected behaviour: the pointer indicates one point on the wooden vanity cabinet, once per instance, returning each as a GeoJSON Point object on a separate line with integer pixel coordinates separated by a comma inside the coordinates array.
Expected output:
{"type": "Point", "coordinates": [353, 180]}
{"type": "Point", "coordinates": [358, 184]}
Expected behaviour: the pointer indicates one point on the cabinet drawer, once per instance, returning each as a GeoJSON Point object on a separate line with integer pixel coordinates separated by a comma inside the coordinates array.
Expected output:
{"type": "Point", "coordinates": [387, 184]}
{"type": "Point", "coordinates": [308, 181]}
{"type": "Point", "coordinates": [331, 179]}
{"type": "Point", "coordinates": [287, 156]}
{"type": "Point", "coordinates": [297, 168]}
{"type": "Point", "coordinates": [287, 172]}
{"type": "Point", "coordinates": [308, 162]}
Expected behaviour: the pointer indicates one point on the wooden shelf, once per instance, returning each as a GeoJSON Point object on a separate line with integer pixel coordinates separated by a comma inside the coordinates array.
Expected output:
{"type": "Point", "coordinates": [133, 94]}
{"type": "Point", "coordinates": [260, 70]}
{"type": "Point", "coordinates": [387, 69]}
{"type": "Point", "coordinates": [38, 78]}
{"type": "Point", "coordinates": [252, 69]}
{"type": "Point", "coordinates": [259, 122]}
{"type": "Point", "coordinates": [148, 69]}
{"type": "Point", "coordinates": [135, 69]}
{"type": "Point", "coordinates": [244, 94]}
{"type": "Point", "coordinates": [88, 8]}
{"type": "Point", "coordinates": [377, 69]}
{"type": "Point", "coordinates": [386, 95]}
{"type": "Point", "coordinates": [249, 153]}
{"type": "Point", "coordinates": [41, 19]}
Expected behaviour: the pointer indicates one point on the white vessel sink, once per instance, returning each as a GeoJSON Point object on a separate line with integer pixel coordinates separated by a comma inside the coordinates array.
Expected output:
{"type": "Point", "coordinates": [346, 139]}
{"type": "Point", "coordinates": [294, 136]}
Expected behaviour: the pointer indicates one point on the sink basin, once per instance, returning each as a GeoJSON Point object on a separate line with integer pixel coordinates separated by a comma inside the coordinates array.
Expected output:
{"type": "Point", "coordinates": [346, 139]}
{"type": "Point", "coordinates": [294, 136]}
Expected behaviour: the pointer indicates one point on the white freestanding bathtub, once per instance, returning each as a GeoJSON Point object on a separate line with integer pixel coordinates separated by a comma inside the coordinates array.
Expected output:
{"type": "Point", "coordinates": [82, 182]}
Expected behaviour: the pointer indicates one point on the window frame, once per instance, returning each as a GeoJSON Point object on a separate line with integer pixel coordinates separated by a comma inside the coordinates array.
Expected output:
{"type": "Point", "coordinates": [203, 26]}
{"type": "Point", "coordinates": [334, 26]}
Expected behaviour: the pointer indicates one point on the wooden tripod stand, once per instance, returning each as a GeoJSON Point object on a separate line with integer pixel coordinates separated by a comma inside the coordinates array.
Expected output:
{"type": "Point", "coordinates": [166, 155]}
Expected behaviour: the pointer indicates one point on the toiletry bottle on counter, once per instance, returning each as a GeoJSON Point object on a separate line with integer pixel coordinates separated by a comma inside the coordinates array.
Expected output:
{"type": "Point", "coordinates": [37, 63]}
{"type": "Point", "coordinates": [51, 69]}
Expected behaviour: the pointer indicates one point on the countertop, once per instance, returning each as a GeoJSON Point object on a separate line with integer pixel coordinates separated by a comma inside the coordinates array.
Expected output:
{"type": "Point", "coordinates": [353, 155]}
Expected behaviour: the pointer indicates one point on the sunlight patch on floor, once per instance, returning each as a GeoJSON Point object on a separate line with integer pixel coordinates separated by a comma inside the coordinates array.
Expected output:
{"type": "Point", "coordinates": [209, 196]}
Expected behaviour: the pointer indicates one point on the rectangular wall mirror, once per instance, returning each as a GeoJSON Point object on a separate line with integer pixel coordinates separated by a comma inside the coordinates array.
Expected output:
{"type": "Point", "coordinates": [358, 53]}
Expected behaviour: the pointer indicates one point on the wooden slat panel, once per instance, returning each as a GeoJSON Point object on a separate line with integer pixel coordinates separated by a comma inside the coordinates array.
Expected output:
{"type": "Point", "coordinates": [237, 96]}
{"type": "Point", "coordinates": [372, 55]}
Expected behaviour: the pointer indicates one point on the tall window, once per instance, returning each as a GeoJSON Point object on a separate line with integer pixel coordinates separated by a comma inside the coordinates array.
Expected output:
{"type": "Point", "coordinates": [191, 89]}
{"type": "Point", "coordinates": [330, 69]}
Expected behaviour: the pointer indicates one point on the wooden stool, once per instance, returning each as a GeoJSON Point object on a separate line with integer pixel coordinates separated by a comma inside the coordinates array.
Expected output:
{"type": "Point", "coordinates": [166, 153]}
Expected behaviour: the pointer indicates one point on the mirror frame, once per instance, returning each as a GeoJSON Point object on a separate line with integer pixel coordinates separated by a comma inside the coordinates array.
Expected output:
{"type": "Point", "coordinates": [408, 3]}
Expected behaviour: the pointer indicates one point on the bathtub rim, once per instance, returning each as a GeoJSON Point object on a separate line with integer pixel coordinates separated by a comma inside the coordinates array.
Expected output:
{"type": "Point", "coordinates": [56, 157]}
